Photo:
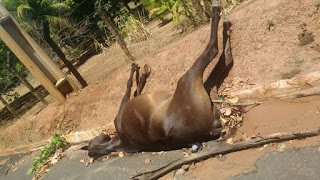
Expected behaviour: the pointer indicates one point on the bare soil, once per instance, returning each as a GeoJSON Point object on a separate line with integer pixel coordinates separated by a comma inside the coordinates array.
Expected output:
{"type": "Point", "coordinates": [260, 56]}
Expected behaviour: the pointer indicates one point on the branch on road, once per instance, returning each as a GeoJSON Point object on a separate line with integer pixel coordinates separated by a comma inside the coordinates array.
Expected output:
{"type": "Point", "coordinates": [224, 149]}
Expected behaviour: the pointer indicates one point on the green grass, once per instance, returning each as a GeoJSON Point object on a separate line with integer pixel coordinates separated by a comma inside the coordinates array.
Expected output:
{"type": "Point", "coordinates": [46, 151]}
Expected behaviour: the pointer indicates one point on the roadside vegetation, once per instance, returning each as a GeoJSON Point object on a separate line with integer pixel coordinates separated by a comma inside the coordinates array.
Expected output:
{"type": "Point", "coordinates": [56, 147]}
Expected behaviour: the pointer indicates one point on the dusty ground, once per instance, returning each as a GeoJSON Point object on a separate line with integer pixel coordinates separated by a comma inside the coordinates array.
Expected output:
{"type": "Point", "coordinates": [260, 56]}
{"type": "Point", "coordinates": [274, 116]}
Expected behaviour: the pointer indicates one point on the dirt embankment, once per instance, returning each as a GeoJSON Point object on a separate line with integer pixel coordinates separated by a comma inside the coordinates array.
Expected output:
{"type": "Point", "coordinates": [260, 56]}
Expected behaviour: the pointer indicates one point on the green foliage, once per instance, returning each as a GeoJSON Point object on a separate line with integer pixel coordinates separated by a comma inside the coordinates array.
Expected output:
{"type": "Point", "coordinates": [270, 24]}
{"type": "Point", "coordinates": [38, 10]}
{"type": "Point", "coordinates": [56, 142]}
{"type": "Point", "coordinates": [131, 27]}
{"type": "Point", "coordinates": [158, 9]}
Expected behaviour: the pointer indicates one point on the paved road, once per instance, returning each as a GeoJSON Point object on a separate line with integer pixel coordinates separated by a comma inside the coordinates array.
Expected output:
{"type": "Point", "coordinates": [300, 163]}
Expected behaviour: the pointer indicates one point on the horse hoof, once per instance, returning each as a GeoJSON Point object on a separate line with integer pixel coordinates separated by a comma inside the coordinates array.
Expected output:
{"type": "Point", "coordinates": [215, 3]}
{"type": "Point", "coordinates": [146, 70]}
{"type": "Point", "coordinates": [227, 23]}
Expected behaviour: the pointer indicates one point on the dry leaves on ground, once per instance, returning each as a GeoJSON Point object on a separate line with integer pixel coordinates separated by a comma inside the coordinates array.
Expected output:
{"type": "Point", "coordinates": [231, 116]}
{"type": "Point", "coordinates": [281, 148]}
{"type": "Point", "coordinates": [121, 154]}
{"type": "Point", "coordinates": [230, 141]}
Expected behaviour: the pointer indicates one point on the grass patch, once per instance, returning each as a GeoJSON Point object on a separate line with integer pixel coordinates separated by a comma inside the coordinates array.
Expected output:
{"type": "Point", "coordinates": [57, 142]}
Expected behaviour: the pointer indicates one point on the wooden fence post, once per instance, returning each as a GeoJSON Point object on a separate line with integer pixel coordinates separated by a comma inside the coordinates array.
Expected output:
{"type": "Point", "coordinates": [8, 106]}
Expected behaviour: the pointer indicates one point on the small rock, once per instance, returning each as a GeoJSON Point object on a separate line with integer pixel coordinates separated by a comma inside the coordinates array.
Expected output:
{"type": "Point", "coordinates": [160, 153]}
{"type": "Point", "coordinates": [87, 164]}
{"type": "Point", "coordinates": [14, 170]}
{"type": "Point", "coordinates": [147, 161]}
{"type": "Point", "coordinates": [82, 160]}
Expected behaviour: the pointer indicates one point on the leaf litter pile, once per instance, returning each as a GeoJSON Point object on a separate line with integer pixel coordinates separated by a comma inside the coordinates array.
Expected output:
{"type": "Point", "coordinates": [231, 116]}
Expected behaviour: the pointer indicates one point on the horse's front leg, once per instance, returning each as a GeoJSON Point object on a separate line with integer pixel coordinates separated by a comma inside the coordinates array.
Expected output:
{"type": "Point", "coordinates": [143, 79]}
{"type": "Point", "coordinates": [224, 65]}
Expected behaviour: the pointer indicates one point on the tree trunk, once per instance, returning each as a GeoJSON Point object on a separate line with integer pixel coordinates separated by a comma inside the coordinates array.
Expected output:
{"type": "Point", "coordinates": [113, 31]}
{"type": "Point", "coordinates": [61, 55]}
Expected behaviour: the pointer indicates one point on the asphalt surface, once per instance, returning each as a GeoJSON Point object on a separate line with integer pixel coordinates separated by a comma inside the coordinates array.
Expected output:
{"type": "Point", "coordinates": [302, 163]}
{"type": "Point", "coordinates": [299, 163]}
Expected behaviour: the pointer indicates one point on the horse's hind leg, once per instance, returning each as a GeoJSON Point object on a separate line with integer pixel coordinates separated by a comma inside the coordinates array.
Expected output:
{"type": "Point", "coordinates": [224, 65]}
{"type": "Point", "coordinates": [211, 50]}
{"type": "Point", "coordinates": [191, 83]}
{"type": "Point", "coordinates": [143, 79]}
{"type": "Point", "coordinates": [219, 73]}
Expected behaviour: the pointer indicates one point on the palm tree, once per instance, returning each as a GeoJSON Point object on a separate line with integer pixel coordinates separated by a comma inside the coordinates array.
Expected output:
{"type": "Point", "coordinates": [46, 13]}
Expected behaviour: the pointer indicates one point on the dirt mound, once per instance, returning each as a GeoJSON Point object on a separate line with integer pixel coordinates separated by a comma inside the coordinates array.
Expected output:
{"type": "Point", "coordinates": [260, 56]}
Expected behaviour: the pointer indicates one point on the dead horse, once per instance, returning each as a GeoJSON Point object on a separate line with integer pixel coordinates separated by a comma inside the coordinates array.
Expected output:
{"type": "Point", "coordinates": [161, 121]}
